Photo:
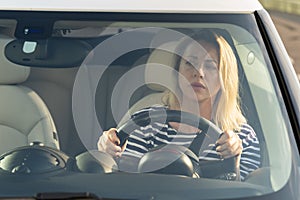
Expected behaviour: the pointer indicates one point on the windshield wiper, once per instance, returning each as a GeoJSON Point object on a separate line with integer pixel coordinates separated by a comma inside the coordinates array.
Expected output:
{"type": "Point", "coordinates": [68, 195]}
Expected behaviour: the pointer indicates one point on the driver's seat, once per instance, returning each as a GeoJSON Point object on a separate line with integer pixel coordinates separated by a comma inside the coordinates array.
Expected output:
{"type": "Point", "coordinates": [159, 76]}
{"type": "Point", "coordinates": [24, 117]}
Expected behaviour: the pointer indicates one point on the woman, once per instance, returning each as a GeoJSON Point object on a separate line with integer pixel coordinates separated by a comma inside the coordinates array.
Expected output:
{"type": "Point", "coordinates": [207, 87]}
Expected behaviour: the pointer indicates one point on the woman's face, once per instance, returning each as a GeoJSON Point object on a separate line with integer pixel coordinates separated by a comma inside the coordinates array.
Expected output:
{"type": "Point", "coordinates": [200, 69]}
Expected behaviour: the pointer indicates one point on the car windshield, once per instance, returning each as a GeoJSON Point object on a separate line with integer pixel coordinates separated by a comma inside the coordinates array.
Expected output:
{"type": "Point", "coordinates": [71, 77]}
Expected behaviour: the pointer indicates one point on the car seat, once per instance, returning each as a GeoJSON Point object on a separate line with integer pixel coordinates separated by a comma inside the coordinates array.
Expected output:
{"type": "Point", "coordinates": [159, 76]}
{"type": "Point", "coordinates": [24, 117]}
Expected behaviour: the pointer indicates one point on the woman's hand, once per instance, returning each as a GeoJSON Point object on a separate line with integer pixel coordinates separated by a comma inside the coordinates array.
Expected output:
{"type": "Point", "coordinates": [229, 145]}
{"type": "Point", "coordinates": [109, 143]}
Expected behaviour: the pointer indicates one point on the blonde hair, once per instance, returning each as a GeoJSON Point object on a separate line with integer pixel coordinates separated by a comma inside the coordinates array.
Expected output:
{"type": "Point", "coordinates": [227, 113]}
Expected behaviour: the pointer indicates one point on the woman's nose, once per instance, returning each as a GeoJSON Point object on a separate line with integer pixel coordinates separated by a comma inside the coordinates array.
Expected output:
{"type": "Point", "coordinates": [199, 72]}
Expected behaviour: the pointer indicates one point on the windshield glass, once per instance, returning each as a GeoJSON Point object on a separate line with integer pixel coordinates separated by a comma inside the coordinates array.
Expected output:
{"type": "Point", "coordinates": [194, 100]}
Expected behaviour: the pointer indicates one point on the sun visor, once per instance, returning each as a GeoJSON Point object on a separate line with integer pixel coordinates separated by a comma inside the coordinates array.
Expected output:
{"type": "Point", "coordinates": [50, 53]}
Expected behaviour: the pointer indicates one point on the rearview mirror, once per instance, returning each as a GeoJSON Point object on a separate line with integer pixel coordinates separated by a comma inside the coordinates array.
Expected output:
{"type": "Point", "coordinates": [52, 52]}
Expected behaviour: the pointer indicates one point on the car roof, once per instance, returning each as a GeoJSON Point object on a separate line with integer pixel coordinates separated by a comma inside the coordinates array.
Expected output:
{"type": "Point", "coordinates": [156, 6]}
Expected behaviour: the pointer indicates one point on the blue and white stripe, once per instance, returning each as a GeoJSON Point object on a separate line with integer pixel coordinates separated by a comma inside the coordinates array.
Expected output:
{"type": "Point", "coordinates": [140, 141]}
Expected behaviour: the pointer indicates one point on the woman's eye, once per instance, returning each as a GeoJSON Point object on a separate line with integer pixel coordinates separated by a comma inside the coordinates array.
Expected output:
{"type": "Point", "coordinates": [211, 66]}
{"type": "Point", "coordinates": [188, 63]}
{"type": "Point", "coordinates": [191, 65]}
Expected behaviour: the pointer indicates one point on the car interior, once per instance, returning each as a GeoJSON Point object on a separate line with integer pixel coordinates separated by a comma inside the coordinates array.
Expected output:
{"type": "Point", "coordinates": [47, 89]}
{"type": "Point", "coordinates": [25, 118]}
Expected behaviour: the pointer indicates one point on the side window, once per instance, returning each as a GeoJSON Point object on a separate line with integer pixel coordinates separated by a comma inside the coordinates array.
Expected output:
{"type": "Point", "coordinates": [267, 106]}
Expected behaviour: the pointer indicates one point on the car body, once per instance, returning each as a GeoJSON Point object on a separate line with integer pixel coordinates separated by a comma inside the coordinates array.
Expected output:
{"type": "Point", "coordinates": [87, 62]}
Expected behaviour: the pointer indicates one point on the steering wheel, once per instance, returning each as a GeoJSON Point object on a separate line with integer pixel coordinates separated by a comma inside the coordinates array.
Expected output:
{"type": "Point", "coordinates": [174, 159]}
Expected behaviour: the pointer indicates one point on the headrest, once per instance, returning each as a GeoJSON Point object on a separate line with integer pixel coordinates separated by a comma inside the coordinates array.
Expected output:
{"type": "Point", "coordinates": [10, 73]}
{"type": "Point", "coordinates": [159, 72]}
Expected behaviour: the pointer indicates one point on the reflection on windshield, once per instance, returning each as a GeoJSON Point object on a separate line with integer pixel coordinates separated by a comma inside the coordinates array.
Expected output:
{"type": "Point", "coordinates": [145, 105]}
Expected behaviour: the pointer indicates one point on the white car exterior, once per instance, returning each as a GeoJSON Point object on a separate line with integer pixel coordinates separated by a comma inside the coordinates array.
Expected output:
{"type": "Point", "coordinates": [71, 69]}
{"type": "Point", "coordinates": [156, 6]}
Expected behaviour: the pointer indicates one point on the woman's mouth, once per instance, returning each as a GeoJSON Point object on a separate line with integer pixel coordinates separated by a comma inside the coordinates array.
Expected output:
{"type": "Point", "coordinates": [198, 85]}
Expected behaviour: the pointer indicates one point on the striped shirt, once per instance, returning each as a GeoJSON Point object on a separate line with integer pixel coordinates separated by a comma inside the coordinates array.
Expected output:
{"type": "Point", "coordinates": [156, 133]}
